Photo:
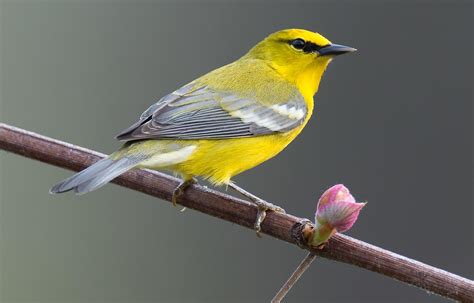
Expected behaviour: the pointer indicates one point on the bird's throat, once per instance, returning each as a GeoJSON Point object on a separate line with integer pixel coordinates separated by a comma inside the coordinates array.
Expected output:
{"type": "Point", "coordinates": [308, 79]}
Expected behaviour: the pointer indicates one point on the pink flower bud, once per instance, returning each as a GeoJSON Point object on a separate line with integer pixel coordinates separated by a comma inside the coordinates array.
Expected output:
{"type": "Point", "coordinates": [337, 211]}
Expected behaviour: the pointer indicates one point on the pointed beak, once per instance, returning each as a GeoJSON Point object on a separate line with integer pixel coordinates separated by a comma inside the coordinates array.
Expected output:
{"type": "Point", "coordinates": [335, 50]}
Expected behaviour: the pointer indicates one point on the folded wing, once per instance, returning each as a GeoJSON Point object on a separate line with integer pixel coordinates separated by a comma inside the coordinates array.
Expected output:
{"type": "Point", "coordinates": [199, 112]}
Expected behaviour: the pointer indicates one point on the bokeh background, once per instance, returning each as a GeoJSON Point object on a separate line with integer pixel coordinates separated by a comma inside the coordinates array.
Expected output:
{"type": "Point", "coordinates": [393, 122]}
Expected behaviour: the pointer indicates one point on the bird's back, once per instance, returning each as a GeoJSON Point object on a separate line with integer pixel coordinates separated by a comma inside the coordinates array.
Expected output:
{"type": "Point", "coordinates": [251, 78]}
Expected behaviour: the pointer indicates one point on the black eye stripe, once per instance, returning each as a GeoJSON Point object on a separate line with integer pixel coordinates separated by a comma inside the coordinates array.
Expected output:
{"type": "Point", "coordinates": [311, 47]}
{"type": "Point", "coordinates": [306, 46]}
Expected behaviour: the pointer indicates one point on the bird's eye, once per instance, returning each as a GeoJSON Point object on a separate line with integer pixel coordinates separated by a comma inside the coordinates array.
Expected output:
{"type": "Point", "coordinates": [298, 43]}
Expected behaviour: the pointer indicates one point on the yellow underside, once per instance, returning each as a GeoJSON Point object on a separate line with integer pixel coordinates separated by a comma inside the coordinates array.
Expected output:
{"type": "Point", "coordinates": [218, 160]}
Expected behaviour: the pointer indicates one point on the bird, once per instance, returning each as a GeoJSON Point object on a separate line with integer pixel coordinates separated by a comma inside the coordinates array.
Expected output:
{"type": "Point", "coordinates": [226, 121]}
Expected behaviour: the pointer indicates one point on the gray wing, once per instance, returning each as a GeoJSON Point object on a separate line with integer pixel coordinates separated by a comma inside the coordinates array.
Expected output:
{"type": "Point", "coordinates": [194, 112]}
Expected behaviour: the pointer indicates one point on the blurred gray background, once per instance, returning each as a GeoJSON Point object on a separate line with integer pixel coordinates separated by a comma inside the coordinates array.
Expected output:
{"type": "Point", "coordinates": [393, 122]}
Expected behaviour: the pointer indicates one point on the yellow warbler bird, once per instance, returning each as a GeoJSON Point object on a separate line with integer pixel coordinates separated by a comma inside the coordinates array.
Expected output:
{"type": "Point", "coordinates": [225, 122]}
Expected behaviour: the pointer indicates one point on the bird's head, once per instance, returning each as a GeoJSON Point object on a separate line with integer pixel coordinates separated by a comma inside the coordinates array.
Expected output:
{"type": "Point", "coordinates": [300, 56]}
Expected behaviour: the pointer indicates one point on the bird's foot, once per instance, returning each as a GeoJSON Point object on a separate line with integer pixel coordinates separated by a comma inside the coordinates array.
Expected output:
{"type": "Point", "coordinates": [180, 189]}
{"type": "Point", "coordinates": [262, 206]}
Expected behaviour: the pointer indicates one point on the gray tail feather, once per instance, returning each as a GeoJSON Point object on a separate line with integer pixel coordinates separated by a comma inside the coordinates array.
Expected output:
{"type": "Point", "coordinates": [96, 175]}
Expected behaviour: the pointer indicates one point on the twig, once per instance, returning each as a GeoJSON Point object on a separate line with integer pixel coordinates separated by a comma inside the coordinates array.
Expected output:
{"type": "Point", "coordinates": [281, 226]}
{"type": "Point", "coordinates": [295, 276]}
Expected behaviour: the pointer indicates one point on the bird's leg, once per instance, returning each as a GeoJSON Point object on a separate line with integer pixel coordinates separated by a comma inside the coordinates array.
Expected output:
{"type": "Point", "coordinates": [179, 190]}
{"type": "Point", "coordinates": [262, 205]}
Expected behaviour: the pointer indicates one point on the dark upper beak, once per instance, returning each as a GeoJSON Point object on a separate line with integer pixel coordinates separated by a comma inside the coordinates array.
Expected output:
{"type": "Point", "coordinates": [335, 50]}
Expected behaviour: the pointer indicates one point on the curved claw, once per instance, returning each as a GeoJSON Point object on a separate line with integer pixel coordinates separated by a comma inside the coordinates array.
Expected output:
{"type": "Point", "coordinates": [174, 197]}
{"type": "Point", "coordinates": [261, 215]}
{"type": "Point", "coordinates": [262, 208]}
{"type": "Point", "coordinates": [179, 190]}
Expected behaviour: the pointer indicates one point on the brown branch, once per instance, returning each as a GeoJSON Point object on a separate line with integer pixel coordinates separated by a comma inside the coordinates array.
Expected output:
{"type": "Point", "coordinates": [281, 226]}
